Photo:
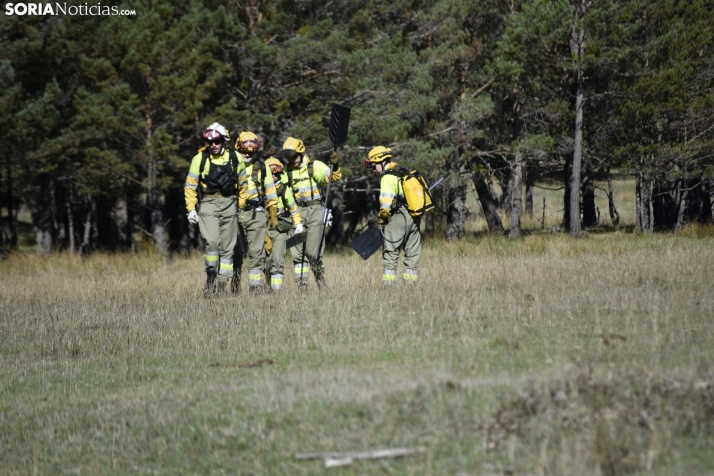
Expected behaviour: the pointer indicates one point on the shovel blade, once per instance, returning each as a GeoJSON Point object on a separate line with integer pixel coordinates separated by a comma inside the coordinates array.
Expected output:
{"type": "Point", "coordinates": [294, 240]}
{"type": "Point", "coordinates": [368, 243]}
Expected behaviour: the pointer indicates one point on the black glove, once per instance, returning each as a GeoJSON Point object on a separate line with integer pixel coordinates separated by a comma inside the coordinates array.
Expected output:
{"type": "Point", "coordinates": [335, 159]}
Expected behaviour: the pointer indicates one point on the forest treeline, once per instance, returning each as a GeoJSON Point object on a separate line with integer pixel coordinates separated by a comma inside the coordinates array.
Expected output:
{"type": "Point", "coordinates": [100, 115]}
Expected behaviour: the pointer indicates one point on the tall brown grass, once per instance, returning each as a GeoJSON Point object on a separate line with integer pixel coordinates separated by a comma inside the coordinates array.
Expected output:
{"type": "Point", "coordinates": [116, 364]}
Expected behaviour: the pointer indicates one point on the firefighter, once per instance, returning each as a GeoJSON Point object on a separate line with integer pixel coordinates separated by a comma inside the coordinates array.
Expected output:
{"type": "Point", "coordinates": [256, 198]}
{"type": "Point", "coordinates": [303, 176]}
{"type": "Point", "coordinates": [210, 193]}
{"type": "Point", "coordinates": [288, 219]}
{"type": "Point", "coordinates": [400, 229]}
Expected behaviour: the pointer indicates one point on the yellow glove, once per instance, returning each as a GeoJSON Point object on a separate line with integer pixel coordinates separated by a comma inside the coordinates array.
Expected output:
{"type": "Point", "coordinates": [268, 245]}
{"type": "Point", "coordinates": [273, 218]}
{"type": "Point", "coordinates": [383, 216]}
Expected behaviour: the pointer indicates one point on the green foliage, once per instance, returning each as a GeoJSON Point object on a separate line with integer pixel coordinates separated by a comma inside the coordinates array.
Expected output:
{"type": "Point", "coordinates": [443, 83]}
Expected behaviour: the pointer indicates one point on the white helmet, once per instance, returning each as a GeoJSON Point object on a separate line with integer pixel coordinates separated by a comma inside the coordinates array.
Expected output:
{"type": "Point", "coordinates": [215, 131]}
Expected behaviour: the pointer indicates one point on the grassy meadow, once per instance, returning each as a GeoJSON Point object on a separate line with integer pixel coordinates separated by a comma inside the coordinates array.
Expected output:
{"type": "Point", "coordinates": [546, 355]}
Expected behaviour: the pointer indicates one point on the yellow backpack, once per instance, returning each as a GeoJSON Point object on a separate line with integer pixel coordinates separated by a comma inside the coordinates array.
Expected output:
{"type": "Point", "coordinates": [416, 192]}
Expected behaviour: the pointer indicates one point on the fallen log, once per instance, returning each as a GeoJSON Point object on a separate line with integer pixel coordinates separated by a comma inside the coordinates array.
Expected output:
{"type": "Point", "coordinates": [336, 458]}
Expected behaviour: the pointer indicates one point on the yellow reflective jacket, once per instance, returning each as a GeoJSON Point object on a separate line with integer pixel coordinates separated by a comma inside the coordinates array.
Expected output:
{"type": "Point", "coordinates": [306, 188]}
{"type": "Point", "coordinates": [287, 202]}
{"type": "Point", "coordinates": [192, 179]}
{"type": "Point", "coordinates": [390, 188]}
{"type": "Point", "coordinates": [248, 188]}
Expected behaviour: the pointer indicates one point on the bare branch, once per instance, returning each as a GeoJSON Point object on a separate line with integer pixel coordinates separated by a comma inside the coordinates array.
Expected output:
{"type": "Point", "coordinates": [483, 88]}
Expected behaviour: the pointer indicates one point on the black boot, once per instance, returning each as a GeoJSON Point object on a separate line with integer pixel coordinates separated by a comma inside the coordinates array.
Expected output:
{"type": "Point", "coordinates": [221, 290]}
{"type": "Point", "coordinates": [210, 283]}
{"type": "Point", "coordinates": [235, 283]}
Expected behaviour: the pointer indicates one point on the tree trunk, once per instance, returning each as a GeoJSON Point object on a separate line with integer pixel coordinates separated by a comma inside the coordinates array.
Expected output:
{"type": "Point", "coordinates": [705, 203]}
{"type": "Point", "coordinates": [58, 232]}
{"type": "Point", "coordinates": [489, 203]}
{"type": "Point", "coordinates": [456, 212]}
{"type": "Point", "coordinates": [506, 180]}
{"type": "Point", "coordinates": [566, 196]}
{"type": "Point", "coordinates": [529, 193]}
{"type": "Point", "coordinates": [645, 213]}
{"type": "Point", "coordinates": [574, 202]}
{"type": "Point", "coordinates": [431, 220]}
{"type": "Point", "coordinates": [41, 213]}
{"type": "Point", "coordinates": [681, 216]}
{"type": "Point", "coordinates": [492, 190]}
{"type": "Point", "coordinates": [131, 204]}
{"type": "Point", "coordinates": [87, 228]}
{"type": "Point", "coordinates": [355, 200]}
{"type": "Point", "coordinates": [4, 240]}
{"type": "Point", "coordinates": [576, 48]}
{"type": "Point", "coordinates": [517, 194]}
{"type": "Point", "coordinates": [638, 202]}
{"type": "Point", "coordinates": [336, 237]}
{"type": "Point", "coordinates": [614, 215]}
{"type": "Point", "coordinates": [11, 209]}
{"type": "Point", "coordinates": [650, 206]}
{"type": "Point", "coordinates": [589, 212]}
{"type": "Point", "coordinates": [699, 206]}
{"type": "Point", "coordinates": [158, 227]}
{"type": "Point", "coordinates": [70, 220]}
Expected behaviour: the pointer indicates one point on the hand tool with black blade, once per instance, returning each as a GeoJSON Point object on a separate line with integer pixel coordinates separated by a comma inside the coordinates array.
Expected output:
{"type": "Point", "coordinates": [296, 239]}
{"type": "Point", "coordinates": [339, 125]}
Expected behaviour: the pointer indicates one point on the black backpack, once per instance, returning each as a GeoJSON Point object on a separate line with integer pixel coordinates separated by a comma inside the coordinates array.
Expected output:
{"type": "Point", "coordinates": [220, 178]}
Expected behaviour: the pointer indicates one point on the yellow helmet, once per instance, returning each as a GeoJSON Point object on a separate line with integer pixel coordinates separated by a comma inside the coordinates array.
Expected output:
{"type": "Point", "coordinates": [247, 142]}
{"type": "Point", "coordinates": [275, 165]}
{"type": "Point", "coordinates": [294, 144]}
{"type": "Point", "coordinates": [378, 154]}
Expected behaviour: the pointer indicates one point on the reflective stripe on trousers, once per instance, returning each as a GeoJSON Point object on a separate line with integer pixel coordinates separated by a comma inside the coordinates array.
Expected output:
{"type": "Point", "coordinates": [226, 267]}
{"type": "Point", "coordinates": [302, 270]}
{"type": "Point", "coordinates": [389, 276]}
{"type": "Point", "coordinates": [212, 258]}
{"type": "Point", "coordinates": [255, 277]}
{"type": "Point", "coordinates": [411, 276]}
{"type": "Point", "coordinates": [276, 281]}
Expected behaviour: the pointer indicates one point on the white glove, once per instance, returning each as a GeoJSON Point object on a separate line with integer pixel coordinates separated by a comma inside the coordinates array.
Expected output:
{"type": "Point", "coordinates": [192, 217]}
{"type": "Point", "coordinates": [299, 228]}
{"type": "Point", "coordinates": [328, 222]}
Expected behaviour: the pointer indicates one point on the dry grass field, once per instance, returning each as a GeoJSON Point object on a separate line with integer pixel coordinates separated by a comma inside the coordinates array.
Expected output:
{"type": "Point", "coordinates": [546, 355]}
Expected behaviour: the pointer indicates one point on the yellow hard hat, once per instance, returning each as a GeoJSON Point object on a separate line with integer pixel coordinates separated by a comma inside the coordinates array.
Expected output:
{"type": "Point", "coordinates": [294, 144]}
{"type": "Point", "coordinates": [378, 154]}
{"type": "Point", "coordinates": [275, 165]}
{"type": "Point", "coordinates": [247, 142]}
